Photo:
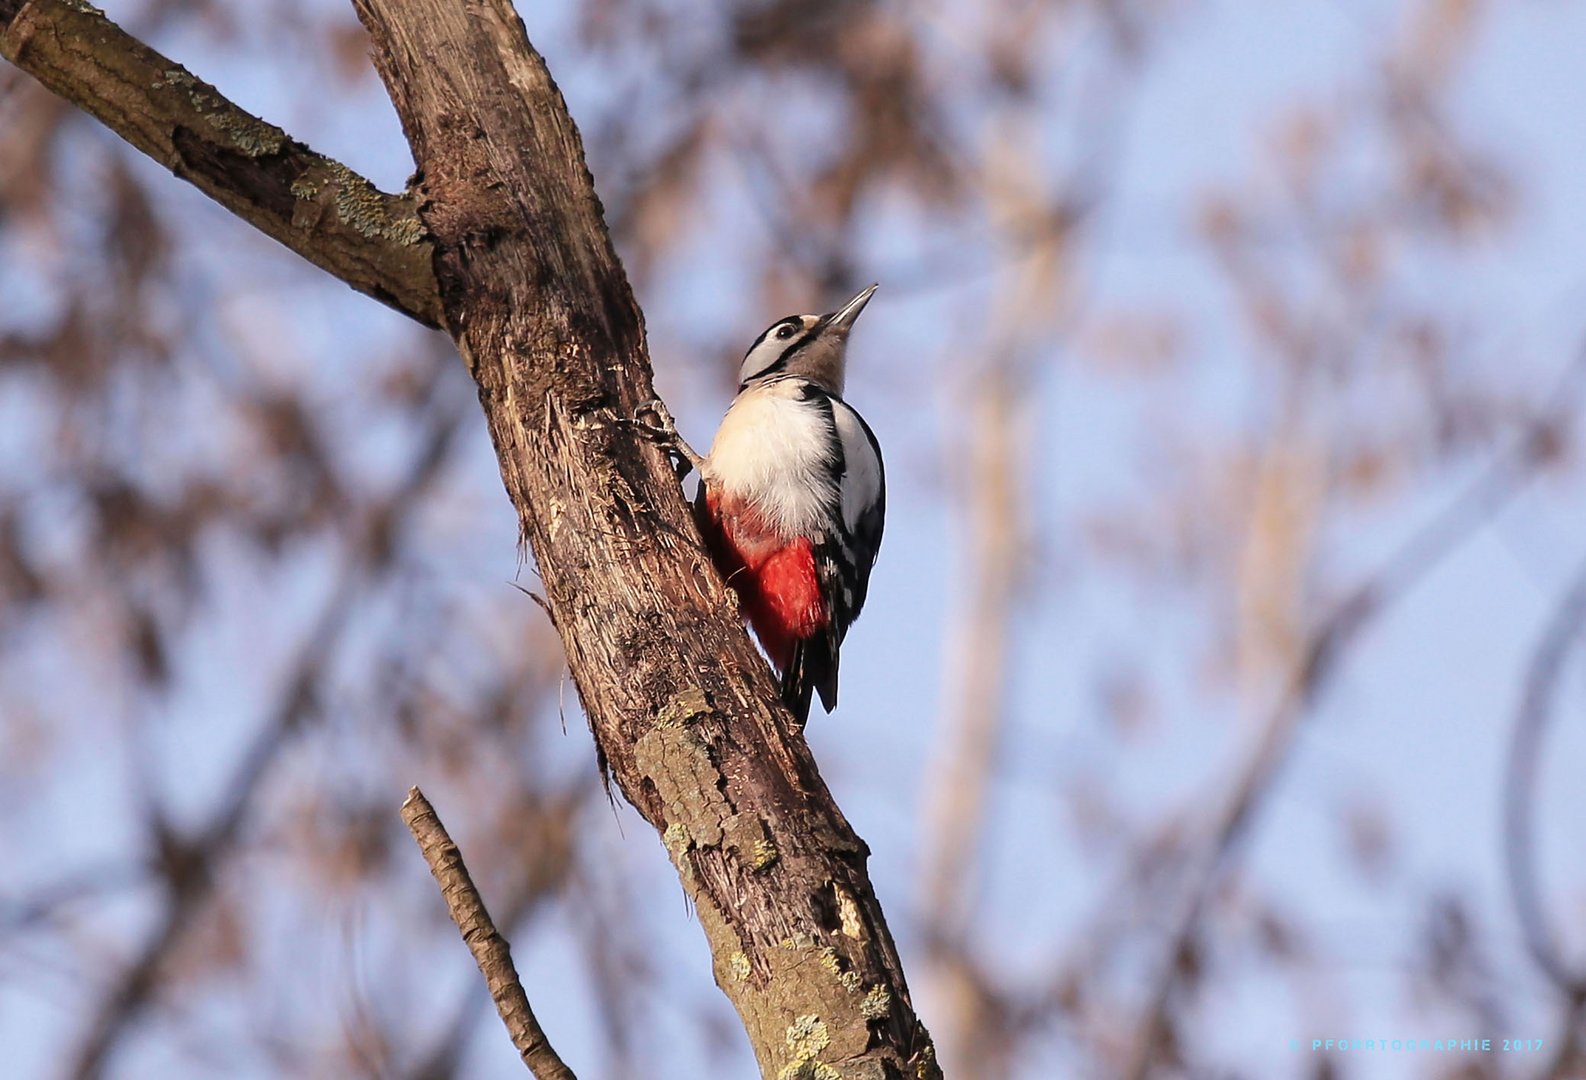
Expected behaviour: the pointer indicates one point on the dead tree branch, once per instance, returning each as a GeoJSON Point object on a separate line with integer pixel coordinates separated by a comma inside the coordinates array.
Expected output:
{"type": "Point", "coordinates": [318, 207]}
{"type": "Point", "coordinates": [491, 951]}
{"type": "Point", "coordinates": [550, 873]}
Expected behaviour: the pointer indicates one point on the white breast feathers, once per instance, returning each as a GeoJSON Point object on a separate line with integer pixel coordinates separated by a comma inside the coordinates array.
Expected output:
{"type": "Point", "coordinates": [775, 451]}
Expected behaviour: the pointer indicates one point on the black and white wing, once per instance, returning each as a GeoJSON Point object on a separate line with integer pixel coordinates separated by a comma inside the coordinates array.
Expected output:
{"type": "Point", "coordinates": [844, 558]}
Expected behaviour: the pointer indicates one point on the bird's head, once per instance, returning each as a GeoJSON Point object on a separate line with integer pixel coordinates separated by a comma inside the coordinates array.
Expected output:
{"type": "Point", "coordinates": [813, 346]}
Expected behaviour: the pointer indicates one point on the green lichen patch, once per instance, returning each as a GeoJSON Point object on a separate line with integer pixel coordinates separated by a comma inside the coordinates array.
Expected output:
{"type": "Point", "coordinates": [678, 762]}
{"type": "Point", "coordinates": [877, 1003]}
{"type": "Point", "coordinates": [174, 77]}
{"type": "Point", "coordinates": [676, 839]}
{"type": "Point", "coordinates": [247, 134]}
{"type": "Point", "coordinates": [739, 964]}
{"type": "Point", "coordinates": [254, 137]}
{"type": "Point", "coordinates": [688, 707]}
{"type": "Point", "coordinates": [359, 204]}
{"type": "Point", "coordinates": [362, 208]}
{"type": "Point", "coordinates": [807, 1037]}
{"type": "Point", "coordinates": [763, 854]}
{"type": "Point", "coordinates": [832, 962]}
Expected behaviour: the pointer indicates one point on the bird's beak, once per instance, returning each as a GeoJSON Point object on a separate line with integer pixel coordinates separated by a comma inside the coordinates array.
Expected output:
{"type": "Point", "coordinates": [843, 318]}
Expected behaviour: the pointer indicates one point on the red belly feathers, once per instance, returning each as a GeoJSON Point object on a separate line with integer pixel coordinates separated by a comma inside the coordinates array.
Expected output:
{"type": "Point", "coordinates": [775, 579]}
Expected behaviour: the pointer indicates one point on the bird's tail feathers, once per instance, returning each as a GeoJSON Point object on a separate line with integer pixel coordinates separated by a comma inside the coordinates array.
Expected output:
{"type": "Point", "coordinates": [796, 687]}
{"type": "Point", "coordinates": [811, 667]}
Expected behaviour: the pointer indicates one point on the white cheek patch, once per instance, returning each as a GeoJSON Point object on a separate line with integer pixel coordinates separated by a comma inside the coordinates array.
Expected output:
{"type": "Point", "coordinates": [768, 348]}
{"type": "Point", "coordinates": [760, 357]}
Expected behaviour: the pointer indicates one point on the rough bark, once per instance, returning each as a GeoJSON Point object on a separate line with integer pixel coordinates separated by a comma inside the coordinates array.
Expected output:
{"type": "Point", "coordinates": [683, 709]}
{"type": "Point", "coordinates": [318, 207]}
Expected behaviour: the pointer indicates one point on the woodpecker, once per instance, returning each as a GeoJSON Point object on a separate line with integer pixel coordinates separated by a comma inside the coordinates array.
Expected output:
{"type": "Point", "coordinates": [792, 498]}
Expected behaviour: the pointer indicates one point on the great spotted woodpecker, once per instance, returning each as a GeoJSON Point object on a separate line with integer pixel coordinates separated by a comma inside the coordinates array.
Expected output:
{"type": "Point", "coordinates": [792, 498]}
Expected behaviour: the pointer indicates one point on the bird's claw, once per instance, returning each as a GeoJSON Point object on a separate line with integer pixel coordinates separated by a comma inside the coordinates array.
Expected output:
{"type": "Point", "coordinates": [663, 430]}
{"type": "Point", "coordinates": [664, 426]}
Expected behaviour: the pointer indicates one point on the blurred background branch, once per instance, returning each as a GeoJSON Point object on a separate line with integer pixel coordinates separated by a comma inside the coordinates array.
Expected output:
{"type": "Point", "coordinates": [1537, 444]}
{"type": "Point", "coordinates": [1523, 787]}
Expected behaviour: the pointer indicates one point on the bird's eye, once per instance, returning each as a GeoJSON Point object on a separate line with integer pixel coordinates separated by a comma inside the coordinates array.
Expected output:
{"type": "Point", "coordinates": [784, 332]}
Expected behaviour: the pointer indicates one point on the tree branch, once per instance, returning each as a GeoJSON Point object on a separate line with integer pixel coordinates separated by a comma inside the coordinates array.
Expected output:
{"type": "Point", "coordinates": [490, 949]}
{"type": "Point", "coordinates": [1563, 632]}
{"type": "Point", "coordinates": [194, 863]}
{"type": "Point", "coordinates": [974, 693]}
{"type": "Point", "coordinates": [682, 708]}
{"type": "Point", "coordinates": [314, 205]}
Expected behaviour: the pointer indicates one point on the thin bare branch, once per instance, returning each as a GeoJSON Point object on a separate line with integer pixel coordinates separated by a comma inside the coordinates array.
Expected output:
{"type": "Point", "coordinates": [490, 950]}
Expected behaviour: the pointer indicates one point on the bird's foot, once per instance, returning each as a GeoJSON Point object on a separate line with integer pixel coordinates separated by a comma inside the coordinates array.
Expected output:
{"type": "Point", "coordinates": [663, 431]}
